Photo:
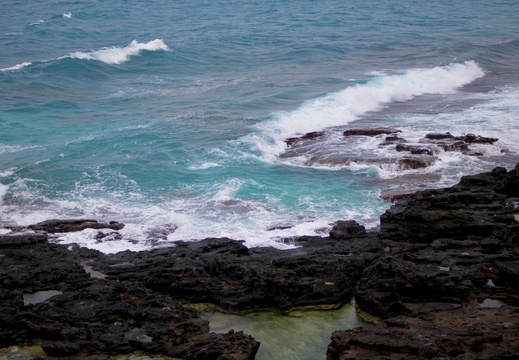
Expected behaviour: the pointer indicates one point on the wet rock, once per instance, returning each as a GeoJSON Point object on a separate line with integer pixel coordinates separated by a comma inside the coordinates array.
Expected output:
{"type": "Point", "coordinates": [393, 281]}
{"type": "Point", "coordinates": [226, 273]}
{"type": "Point", "coordinates": [100, 316]}
{"type": "Point", "coordinates": [470, 210]}
{"type": "Point", "coordinates": [308, 136]}
{"type": "Point", "coordinates": [393, 139]}
{"type": "Point", "coordinates": [415, 163]}
{"type": "Point", "coordinates": [445, 291]}
{"type": "Point", "coordinates": [442, 272]}
{"type": "Point", "coordinates": [414, 149]}
{"type": "Point", "coordinates": [343, 230]}
{"type": "Point", "coordinates": [440, 136]}
{"type": "Point", "coordinates": [476, 139]}
{"type": "Point", "coordinates": [233, 345]}
{"type": "Point", "coordinates": [62, 226]}
{"type": "Point", "coordinates": [370, 132]}
{"type": "Point", "coordinates": [163, 232]}
{"type": "Point", "coordinates": [20, 239]}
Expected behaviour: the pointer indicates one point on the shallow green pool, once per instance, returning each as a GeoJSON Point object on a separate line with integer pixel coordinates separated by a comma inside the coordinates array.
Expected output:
{"type": "Point", "coordinates": [298, 335]}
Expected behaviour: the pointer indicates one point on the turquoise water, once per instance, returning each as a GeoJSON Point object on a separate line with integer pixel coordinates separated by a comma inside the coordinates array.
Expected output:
{"type": "Point", "coordinates": [173, 115]}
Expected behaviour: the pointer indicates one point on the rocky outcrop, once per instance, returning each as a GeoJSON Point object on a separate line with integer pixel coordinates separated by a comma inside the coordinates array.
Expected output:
{"type": "Point", "coordinates": [398, 151]}
{"type": "Point", "coordinates": [480, 207]}
{"type": "Point", "coordinates": [447, 285]}
{"type": "Point", "coordinates": [93, 315]}
{"type": "Point", "coordinates": [308, 136]}
{"type": "Point", "coordinates": [226, 273]}
{"type": "Point", "coordinates": [63, 226]}
{"type": "Point", "coordinates": [370, 132]}
{"type": "Point", "coordinates": [439, 280]}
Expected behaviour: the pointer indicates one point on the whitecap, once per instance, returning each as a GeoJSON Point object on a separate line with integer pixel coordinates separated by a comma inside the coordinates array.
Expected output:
{"type": "Point", "coordinates": [119, 55]}
{"type": "Point", "coordinates": [37, 22]}
{"type": "Point", "coordinates": [341, 108]}
{"type": "Point", "coordinates": [203, 166]}
{"type": "Point", "coordinates": [17, 66]}
{"type": "Point", "coordinates": [3, 192]}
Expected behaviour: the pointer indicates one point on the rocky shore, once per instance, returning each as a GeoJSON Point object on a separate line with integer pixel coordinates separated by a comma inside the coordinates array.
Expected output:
{"type": "Point", "coordinates": [440, 280]}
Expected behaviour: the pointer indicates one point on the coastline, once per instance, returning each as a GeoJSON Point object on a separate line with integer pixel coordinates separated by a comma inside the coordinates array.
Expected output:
{"type": "Point", "coordinates": [440, 276]}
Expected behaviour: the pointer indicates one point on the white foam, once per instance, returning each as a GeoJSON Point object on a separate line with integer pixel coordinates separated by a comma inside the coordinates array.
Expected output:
{"type": "Point", "coordinates": [119, 55]}
{"type": "Point", "coordinates": [16, 67]}
{"type": "Point", "coordinates": [203, 166]}
{"type": "Point", "coordinates": [345, 106]}
{"type": "Point", "coordinates": [37, 22]}
{"type": "Point", "coordinates": [3, 192]}
{"type": "Point", "coordinates": [14, 148]}
{"type": "Point", "coordinates": [158, 223]}
{"type": "Point", "coordinates": [6, 173]}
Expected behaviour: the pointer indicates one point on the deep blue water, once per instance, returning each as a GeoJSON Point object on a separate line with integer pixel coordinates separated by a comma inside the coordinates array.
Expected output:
{"type": "Point", "coordinates": [173, 114]}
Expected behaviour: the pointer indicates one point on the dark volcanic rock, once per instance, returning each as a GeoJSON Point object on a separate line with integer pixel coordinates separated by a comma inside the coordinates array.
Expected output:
{"type": "Point", "coordinates": [224, 272]}
{"type": "Point", "coordinates": [233, 345]}
{"type": "Point", "coordinates": [447, 285]}
{"type": "Point", "coordinates": [415, 163]}
{"type": "Point", "coordinates": [347, 230]}
{"type": "Point", "coordinates": [440, 136]}
{"type": "Point", "coordinates": [476, 208]}
{"type": "Point", "coordinates": [435, 143]}
{"type": "Point", "coordinates": [370, 132]}
{"type": "Point", "coordinates": [98, 316]}
{"type": "Point", "coordinates": [20, 239]}
{"type": "Point", "coordinates": [414, 149]}
{"type": "Point", "coordinates": [441, 276]}
{"type": "Point", "coordinates": [62, 226]}
{"type": "Point", "coordinates": [388, 285]}
{"type": "Point", "coordinates": [308, 136]}
{"type": "Point", "coordinates": [476, 139]}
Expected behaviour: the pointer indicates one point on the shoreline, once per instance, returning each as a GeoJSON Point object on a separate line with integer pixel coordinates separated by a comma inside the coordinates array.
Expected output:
{"type": "Point", "coordinates": [440, 274]}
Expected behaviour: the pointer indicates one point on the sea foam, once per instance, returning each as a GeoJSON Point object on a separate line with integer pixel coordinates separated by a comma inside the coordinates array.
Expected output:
{"type": "Point", "coordinates": [3, 191]}
{"type": "Point", "coordinates": [16, 67]}
{"type": "Point", "coordinates": [119, 55]}
{"type": "Point", "coordinates": [345, 106]}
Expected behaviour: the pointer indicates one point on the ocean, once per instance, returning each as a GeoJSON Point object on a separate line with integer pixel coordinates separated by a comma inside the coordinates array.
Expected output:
{"type": "Point", "coordinates": [172, 116]}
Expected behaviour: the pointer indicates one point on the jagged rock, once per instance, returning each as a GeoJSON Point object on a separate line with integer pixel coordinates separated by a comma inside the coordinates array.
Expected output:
{"type": "Point", "coordinates": [415, 163]}
{"type": "Point", "coordinates": [440, 136]}
{"type": "Point", "coordinates": [20, 239]}
{"type": "Point", "coordinates": [347, 230]}
{"type": "Point", "coordinates": [226, 273]}
{"type": "Point", "coordinates": [475, 208]}
{"type": "Point", "coordinates": [370, 132]}
{"type": "Point", "coordinates": [99, 316]}
{"type": "Point", "coordinates": [450, 255]}
{"type": "Point", "coordinates": [232, 346]}
{"type": "Point", "coordinates": [308, 136]}
{"type": "Point", "coordinates": [414, 149]}
{"type": "Point", "coordinates": [391, 282]}
{"type": "Point", "coordinates": [442, 272]}
{"type": "Point", "coordinates": [62, 226]}
{"type": "Point", "coordinates": [476, 139]}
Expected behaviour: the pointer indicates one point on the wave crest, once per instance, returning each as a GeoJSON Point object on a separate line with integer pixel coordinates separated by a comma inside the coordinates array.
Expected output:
{"type": "Point", "coordinates": [345, 106]}
{"type": "Point", "coordinates": [16, 67]}
{"type": "Point", "coordinates": [118, 55]}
